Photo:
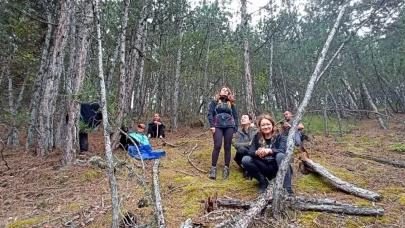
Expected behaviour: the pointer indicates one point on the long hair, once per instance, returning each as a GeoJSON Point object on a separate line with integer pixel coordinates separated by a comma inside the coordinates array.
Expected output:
{"type": "Point", "coordinates": [262, 141]}
{"type": "Point", "coordinates": [230, 97]}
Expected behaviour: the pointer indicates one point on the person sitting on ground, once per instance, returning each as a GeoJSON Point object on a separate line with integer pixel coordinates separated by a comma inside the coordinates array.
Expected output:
{"type": "Point", "coordinates": [266, 152]}
{"type": "Point", "coordinates": [286, 125]}
{"type": "Point", "coordinates": [156, 128]}
{"type": "Point", "coordinates": [242, 141]}
{"type": "Point", "coordinates": [143, 144]}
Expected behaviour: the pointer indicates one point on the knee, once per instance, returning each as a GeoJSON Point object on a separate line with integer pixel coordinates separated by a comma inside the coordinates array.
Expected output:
{"type": "Point", "coordinates": [246, 160]}
{"type": "Point", "coordinates": [279, 157]}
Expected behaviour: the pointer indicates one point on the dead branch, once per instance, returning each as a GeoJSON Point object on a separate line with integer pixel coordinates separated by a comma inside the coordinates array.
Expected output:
{"type": "Point", "coordinates": [189, 160]}
{"type": "Point", "coordinates": [2, 156]}
{"type": "Point", "coordinates": [340, 184]}
{"type": "Point", "coordinates": [397, 164]}
{"type": "Point", "coordinates": [233, 203]}
{"type": "Point", "coordinates": [158, 199]}
{"type": "Point", "coordinates": [167, 143]}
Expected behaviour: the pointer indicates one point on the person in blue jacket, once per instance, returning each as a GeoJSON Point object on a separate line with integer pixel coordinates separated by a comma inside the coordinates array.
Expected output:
{"type": "Point", "coordinates": [143, 144]}
{"type": "Point", "coordinates": [266, 152]}
{"type": "Point", "coordinates": [223, 119]}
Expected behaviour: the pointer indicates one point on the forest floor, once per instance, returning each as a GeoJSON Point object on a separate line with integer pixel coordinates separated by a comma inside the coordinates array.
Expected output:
{"type": "Point", "coordinates": [40, 192]}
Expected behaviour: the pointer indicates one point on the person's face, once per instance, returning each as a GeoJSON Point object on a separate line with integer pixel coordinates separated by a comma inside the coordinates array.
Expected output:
{"type": "Point", "coordinates": [244, 120]}
{"type": "Point", "coordinates": [156, 117]}
{"type": "Point", "coordinates": [287, 115]}
{"type": "Point", "coordinates": [265, 126]}
{"type": "Point", "coordinates": [224, 92]}
{"type": "Point", "coordinates": [140, 128]}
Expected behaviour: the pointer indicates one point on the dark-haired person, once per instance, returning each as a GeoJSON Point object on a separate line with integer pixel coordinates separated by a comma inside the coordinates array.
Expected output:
{"type": "Point", "coordinates": [288, 121]}
{"type": "Point", "coordinates": [156, 128]}
{"type": "Point", "coordinates": [266, 153]}
{"type": "Point", "coordinates": [223, 119]}
{"type": "Point", "coordinates": [243, 139]}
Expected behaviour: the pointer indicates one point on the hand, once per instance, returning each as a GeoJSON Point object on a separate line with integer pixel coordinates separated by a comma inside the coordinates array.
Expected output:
{"type": "Point", "coordinates": [156, 122]}
{"type": "Point", "coordinates": [234, 135]}
{"type": "Point", "coordinates": [286, 125]}
{"type": "Point", "coordinates": [213, 130]}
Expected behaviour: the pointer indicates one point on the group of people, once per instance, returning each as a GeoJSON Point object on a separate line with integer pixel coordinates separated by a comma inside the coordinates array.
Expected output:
{"type": "Point", "coordinates": [259, 150]}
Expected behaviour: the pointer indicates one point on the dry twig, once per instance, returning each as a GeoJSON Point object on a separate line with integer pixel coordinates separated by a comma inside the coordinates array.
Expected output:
{"type": "Point", "coordinates": [189, 160]}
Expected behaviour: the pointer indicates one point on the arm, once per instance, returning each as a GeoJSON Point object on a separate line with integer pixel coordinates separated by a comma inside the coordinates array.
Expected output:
{"type": "Point", "coordinates": [280, 144]}
{"type": "Point", "coordinates": [239, 142]}
{"type": "Point", "coordinates": [211, 114]}
{"type": "Point", "coordinates": [235, 117]}
{"type": "Point", "coordinates": [254, 146]}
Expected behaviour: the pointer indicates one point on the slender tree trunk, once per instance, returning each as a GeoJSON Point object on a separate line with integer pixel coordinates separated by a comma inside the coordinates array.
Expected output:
{"type": "Point", "coordinates": [277, 205]}
{"type": "Point", "coordinates": [352, 97]}
{"type": "Point", "coordinates": [248, 76]}
{"type": "Point", "coordinates": [325, 115]}
{"type": "Point", "coordinates": [106, 127]}
{"type": "Point", "coordinates": [174, 112]}
{"type": "Point", "coordinates": [120, 108]}
{"type": "Point", "coordinates": [12, 138]}
{"type": "Point", "coordinates": [37, 88]}
{"type": "Point", "coordinates": [140, 91]}
{"type": "Point", "coordinates": [337, 112]}
{"type": "Point", "coordinates": [47, 105]}
{"type": "Point", "coordinates": [270, 93]}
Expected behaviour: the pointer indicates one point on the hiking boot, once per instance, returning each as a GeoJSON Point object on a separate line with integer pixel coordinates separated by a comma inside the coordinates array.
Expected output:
{"type": "Point", "coordinates": [290, 192]}
{"type": "Point", "coordinates": [263, 183]}
{"type": "Point", "coordinates": [213, 173]}
{"type": "Point", "coordinates": [246, 175]}
{"type": "Point", "coordinates": [225, 173]}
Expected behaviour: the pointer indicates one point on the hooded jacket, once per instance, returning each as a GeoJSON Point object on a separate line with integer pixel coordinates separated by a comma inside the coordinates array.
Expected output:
{"type": "Point", "coordinates": [222, 114]}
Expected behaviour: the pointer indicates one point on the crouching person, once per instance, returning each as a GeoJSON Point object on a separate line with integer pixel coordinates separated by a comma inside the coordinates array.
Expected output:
{"type": "Point", "coordinates": [242, 141]}
{"type": "Point", "coordinates": [143, 144]}
{"type": "Point", "coordinates": [266, 152]}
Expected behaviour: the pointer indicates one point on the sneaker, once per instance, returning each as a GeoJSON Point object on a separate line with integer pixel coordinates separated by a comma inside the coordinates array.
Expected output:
{"type": "Point", "coordinates": [149, 136]}
{"type": "Point", "coordinates": [246, 175]}
{"type": "Point", "coordinates": [263, 186]}
{"type": "Point", "coordinates": [160, 137]}
{"type": "Point", "coordinates": [213, 173]}
{"type": "Point", "coordinates": [225, 173]}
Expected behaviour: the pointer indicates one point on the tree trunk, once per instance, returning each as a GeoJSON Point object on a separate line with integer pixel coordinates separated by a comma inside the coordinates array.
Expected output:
{"type": "Point", "coordinates": [352, 97]}
{"type": "Point", "coordinates": [37, 87]}
{"type": "Point", "coordinates": [51, 82]}
{"type": "Point", "coordinates": [270, 93]}
{"type": "Point", "coordinates": [73, 106]}
{"type": "Point", "coordinates": [373, 106]}
{"type": "Point", "coordinates": [277, 205]}
{"type": "Point", "coordinates": [340, 184]}
{"type": "Point", "coordinates": [106, 127]}
{"type": "Point", "coordinates": [325, 115]}
{"type": "Point", "coordinates": [337, 112]}
{"type": "Point", "coordinates": [398, 164]}
{"type": "Point", "coordinates": [120, 108]}
{"type": "Point", "coordinates": [12, 138]}
{"type": "Point", "coordinates": [174, 111]}
{"type": "Point", "coordinates": [246, 62]}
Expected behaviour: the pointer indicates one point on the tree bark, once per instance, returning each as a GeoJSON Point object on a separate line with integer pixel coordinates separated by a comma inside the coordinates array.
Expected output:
{"type": "Point", "coordinates": [73, 106]}
{"type": "Point", "coordinates": [352, 97]}
{"type": "Point", "coordinates": [340, 184]}
{"type": "Point", "coordinates": [158, 199]}
{"type": "Point", "coordinates": [51, 82]}
{"type": "Point", "coordinates": [377, 159]}
{"type": "Point", "coordinates": [37, 87]}
{"type": "Point", "coordinates": [277, 205]}
{"type": "Point", "coordinates": [12, 138]}
{"type": "Point", "coordinates": [246, 62]}
{"type": "Point", "coordinates": [108, 151]}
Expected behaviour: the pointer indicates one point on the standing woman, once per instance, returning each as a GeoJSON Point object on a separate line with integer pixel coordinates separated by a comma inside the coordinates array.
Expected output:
{"type": "Point", "coordinates": [223, 120]}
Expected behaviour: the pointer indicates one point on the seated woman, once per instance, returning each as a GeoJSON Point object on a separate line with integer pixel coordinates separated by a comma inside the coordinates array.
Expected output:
{"type": "Point", "coordinates": [156, 128]}
{"type": "Point", "coordinates": [266, 153]}
{"type": "Point", "coordinates": [143, 144]}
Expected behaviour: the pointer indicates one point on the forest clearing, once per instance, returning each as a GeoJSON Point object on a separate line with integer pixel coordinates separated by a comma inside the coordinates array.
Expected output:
{"type": "Point", "coordinates": [40, 192]}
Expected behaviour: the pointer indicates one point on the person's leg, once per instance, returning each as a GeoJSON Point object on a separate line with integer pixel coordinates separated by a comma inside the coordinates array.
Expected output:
{"type": "Point", "coordinates": [228, 135]}
{"type": "Point", "coordinates": [161, 131]}
{"type": "Point", "coordinates": [249, 164]}
{"type": "Point", "coordinates": [240, 153]}
{"type": "Point", "coordinates": [150, 130]}
{"type": "Point", "coordinates": [215, 152]}
{"type": "Point", "coordinates": [298, 138]}
{"type": "Point", "coordinates": [287, 178]}
{"type": "Point", "coordinates": [84, 142]}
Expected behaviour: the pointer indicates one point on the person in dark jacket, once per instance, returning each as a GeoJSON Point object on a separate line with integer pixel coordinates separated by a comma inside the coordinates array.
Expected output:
{"type": "Point", "coordinates": [223, 119]}
{"type": "Point", "coordinates": [266, 153]}
{"type": "Point", "coordinates": [243, 140]}
{"type": "Point", "coordinates": [286, 125]}
{"type": "Point", "coordinates": [156, 128]}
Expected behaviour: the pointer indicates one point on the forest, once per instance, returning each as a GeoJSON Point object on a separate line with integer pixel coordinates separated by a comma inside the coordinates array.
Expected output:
{"type": "Point", "coordinates": [338, 65]}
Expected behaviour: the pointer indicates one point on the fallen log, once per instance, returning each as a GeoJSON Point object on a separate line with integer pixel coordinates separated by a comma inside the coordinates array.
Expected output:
{"type": "Point", "coordinates": [340, 184]}
{"type": "Point", "coordinates": [233, 203]}
{"type": "Point", "coordinates": [187, 224]}
{"type": "Point", "coordinates": [377, 159]}
{"type": "Point", "coordinates": [158, 199]}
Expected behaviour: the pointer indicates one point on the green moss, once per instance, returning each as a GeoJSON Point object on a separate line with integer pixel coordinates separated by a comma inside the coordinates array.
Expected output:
{"type": "Point", "coordinates": [26, 222]}
{"type": "Point", "coordinates": [364, 139]}
{"type": "Point", "coordinates": [73, 207]}
{"type": "Point", "coordinates": [363, 203]}
{"type": "Point", "coordinates": [345, 175]}
{"type": "Point", "coordinates": [90, 175]}
{"type": "Point", "coordinates": [399, 147]}
{"type": "Point", "coordinates": [307, 218]}
{"type": "Point", "coordinates": [401, 200]}
{"type": "Point", "coordinates": [391, 192]}
{"type": "Point", "coordinates": [314, 183]}
{"type": "Point", "coordinates": [354, 148]}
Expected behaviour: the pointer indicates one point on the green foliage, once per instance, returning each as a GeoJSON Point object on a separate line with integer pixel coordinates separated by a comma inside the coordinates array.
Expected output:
{"type": "Point", "coordinates": [314, 124]}
{"type": "Point", "coordinates": [83, 127]}
{"type": "Point", "coordinates": [26, 222]}
{"type": "Point", "coordinates": [399, 147]}
{"type": "Point", "coordinates": [314, 183]}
